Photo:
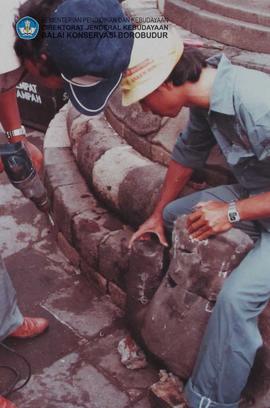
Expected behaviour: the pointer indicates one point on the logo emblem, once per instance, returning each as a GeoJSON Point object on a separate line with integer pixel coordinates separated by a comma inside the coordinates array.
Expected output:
{"type": "Point", "coordinates": [27, 28]}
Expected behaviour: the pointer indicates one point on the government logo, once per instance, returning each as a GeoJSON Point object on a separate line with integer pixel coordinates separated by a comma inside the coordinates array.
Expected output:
{"type": "Point", "coordinates": [27, 28]}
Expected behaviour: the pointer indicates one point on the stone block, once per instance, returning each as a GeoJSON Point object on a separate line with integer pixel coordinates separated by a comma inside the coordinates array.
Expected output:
{"type": "Point", "coordinates": [94, 144]}
{"type": "Point", "coordinates": [143, 279]}
{"type": "Point", "coordinates": [94, 277]}
{"type": "Point", "coordinates": [253, 60]}
{"type": "Point", "coordinates": [139, 191]}
{"type": "Point", "coordinates": [140, 144]}
{"type": "Point", "coordinates": [168, 392]}
{"type": "Point", "coordinates": [114, 256]}
{"type": "Point", "coordinates": [118, 296]}
{"type": "Point", "coordinates": [160, 155]}
{"type": "Point", "coordinates": [72, 114]}
{"type": "Point", "coordinates": [87, 236]}
{"type": "Point", "coordinates": [57, 155]}
{"type": "Point", "coordinates": [57, 134]}
{"type": "Point", "coordinates": [104, 355]}
{"type": "Point", "coordinates": [79, 128]}
{"type": "Point", "coordinates": [178, 313]}
{"type": "Point", "coordinates": [167, 135]}
{"type": "Point", "coordinates": [67, 202]}
{"type": "Point", "coordinates": [115, 105]}
{"type": "Point", "coordinates": [195, 269]}
{"type": "Point", "coordinates": [142, 123]}
{"type": "Point", "coordinates": [70, 253]}
{"type": "Point", "coordinates": [110, 171]}
{"type": "Point", "coordinates": [64, 174]}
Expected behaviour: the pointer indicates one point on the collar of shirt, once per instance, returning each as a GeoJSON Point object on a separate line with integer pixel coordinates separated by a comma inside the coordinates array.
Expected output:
{"type": "Point", "coordinates": [222, 92]}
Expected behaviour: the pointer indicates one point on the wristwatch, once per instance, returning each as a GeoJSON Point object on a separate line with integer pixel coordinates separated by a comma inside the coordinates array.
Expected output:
{"type": "Point", "coordinates": [233, 214]}
{"type": "Point", "coordinates": [16, 132]}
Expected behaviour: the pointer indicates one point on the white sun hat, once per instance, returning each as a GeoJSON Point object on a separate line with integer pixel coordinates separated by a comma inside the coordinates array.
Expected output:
{"type": "Point", "coordinates": [152, 60]}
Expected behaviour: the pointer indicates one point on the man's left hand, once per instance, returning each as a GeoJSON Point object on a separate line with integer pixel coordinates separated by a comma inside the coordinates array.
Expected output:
{"type": "Point", "coordinates": [209, 218]}
{"type": "Point", "coordinates": [35, 154]}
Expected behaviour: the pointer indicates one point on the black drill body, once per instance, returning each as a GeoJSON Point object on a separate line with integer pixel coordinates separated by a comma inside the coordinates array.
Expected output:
{"type": "Point", "coordinates": [22, 174]}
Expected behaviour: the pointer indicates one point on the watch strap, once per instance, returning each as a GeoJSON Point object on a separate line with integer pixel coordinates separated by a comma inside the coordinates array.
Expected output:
{"type": "Point", "coordinates": [15, 132]}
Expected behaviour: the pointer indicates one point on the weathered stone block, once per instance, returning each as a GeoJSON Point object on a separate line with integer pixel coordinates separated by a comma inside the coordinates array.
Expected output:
{"type": "Point", "coordinates": [143, 279]}
{"type": "Point", "coordinates": [142, 184]}
{"type": "Point", "coordinates": [69, 251]}
{"type": "Point", "coordinates": [160, 155]}
{"type": "Point", "coordinates": [167, 135]}
{"type": "Point", "coordinates": [122, 160]}
{"type": "Point", "coordinates": [87, 236]}
{"type": "Point", "coordinates": [94, 144]}
{"type": "Point", "coordinates": [114, 256]}
{"type": "Point", "coordinates": [178, 313]}
{"type": "Point", "coordinates": [57, 155]}
{"type": "Point", "coordinates": [67, 202]}
{"type": "Point", "coordinates": [118, 296]}
{"type": "Point", "coordinates": [72, 114]}
{"type": "Point", "coordinates": [142, 123]}
{"type": "Point", "coordinates": [167, 393]}
{"type": "Point", "coordinates": [79, 127]}
{"type": "Point", "coordinates": [195, 269]}
{"type": "Point", "coordinates": [94, 277]}
{"type": "Point", "coordinates": [116, 107]}
{"type": "Point", "coordinates": [64, 174]}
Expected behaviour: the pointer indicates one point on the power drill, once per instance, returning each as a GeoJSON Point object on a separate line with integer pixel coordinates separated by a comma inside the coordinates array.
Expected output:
{"type": "Point", "coordinates": [22, 174]}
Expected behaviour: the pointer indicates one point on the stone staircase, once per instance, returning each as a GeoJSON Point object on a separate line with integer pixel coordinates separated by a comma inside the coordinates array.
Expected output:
{"type": "Point", "coordinates": [239, 23]}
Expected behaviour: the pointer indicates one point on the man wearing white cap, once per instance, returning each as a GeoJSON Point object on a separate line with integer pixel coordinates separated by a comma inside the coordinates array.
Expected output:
{"type": "Point", "coordinates": [229, 106]}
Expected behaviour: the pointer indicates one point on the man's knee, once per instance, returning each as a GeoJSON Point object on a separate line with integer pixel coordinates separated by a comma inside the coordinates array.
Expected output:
{"type": "Point", "coordinates": [233, 299]}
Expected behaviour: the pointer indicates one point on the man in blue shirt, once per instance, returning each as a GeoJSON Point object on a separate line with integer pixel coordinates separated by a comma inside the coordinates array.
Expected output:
{"type": "Point", "coordinates": [229, 106]}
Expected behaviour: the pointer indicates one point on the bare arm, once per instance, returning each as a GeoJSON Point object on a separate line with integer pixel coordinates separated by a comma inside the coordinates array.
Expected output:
{"type": "Point", "coordinates": [10, 120]}
{"type": "Point", "coordinates": [176, 178]}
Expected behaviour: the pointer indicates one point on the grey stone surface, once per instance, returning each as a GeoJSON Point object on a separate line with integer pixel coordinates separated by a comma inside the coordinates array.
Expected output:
{"type": "Point", "coordinates": [57, 155]}
{"type": "Point", "coordinates": [141, 123]}
{"type": "Point", "coordinates": [68, 201]}
{"type": "Point", "coordinates": [91, 313]}
{"type": "Point", "coordinates": [72, 114]}
{"type": "Point", "coordinates": [250, 11]}
{"type": "Point", "coordinates": [113, 256]}
{"type": "Point", "coordinates": [143, 185]}
{"type": "Point", "coordinates": [232, 32]}
{"type": "Point", "coordinates": [88, 389]}
{"type": "Point", "coordinates": [178, 313]}
{"type": "Point", "coordinates": [167, 135]}
{"type": "Point", "coordinates": [253, 60]}
{"type": "Point", "coordinates": [106, 183]}
{"type": "Point", "coordinates": [143, 279]}
{"type": "Point", "coordinates": [87, 235]}
{"type": "Point", "coordinates": [94, 144]}
{"type": "Point", "coordinates": [62, 174]}
{"type": "Point", "coordinates": [105, 357]}
{"type": "Point", "coordinates": [194, 268]}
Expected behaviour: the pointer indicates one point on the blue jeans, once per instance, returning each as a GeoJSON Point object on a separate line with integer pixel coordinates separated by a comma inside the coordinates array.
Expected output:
{"type": "Point", "coordinates": [10, 315]}
{"type": "Point", "coordinates": [232, 337]}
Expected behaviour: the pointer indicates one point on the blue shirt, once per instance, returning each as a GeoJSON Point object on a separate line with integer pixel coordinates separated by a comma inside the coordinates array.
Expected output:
{"type": "Point", "coordinates": [238, 120]}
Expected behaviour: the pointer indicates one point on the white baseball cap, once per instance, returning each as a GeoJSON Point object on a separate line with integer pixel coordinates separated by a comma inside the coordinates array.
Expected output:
{"type": "Point", "coordinates": [152, 60]}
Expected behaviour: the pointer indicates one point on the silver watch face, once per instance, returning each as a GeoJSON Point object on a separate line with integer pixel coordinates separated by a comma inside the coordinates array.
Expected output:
{"type": "Point", "coordinates": [233, 216]}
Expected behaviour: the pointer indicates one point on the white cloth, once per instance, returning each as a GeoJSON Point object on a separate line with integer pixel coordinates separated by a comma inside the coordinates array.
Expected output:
{"type": "Point", "coordinates": [8, 58]}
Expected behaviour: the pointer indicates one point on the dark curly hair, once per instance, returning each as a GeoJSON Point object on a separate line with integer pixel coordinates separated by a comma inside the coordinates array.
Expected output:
{"type": "Point", "coordinates": [32, 50]}
{"type": "Point", "coordinates": [188, 68]}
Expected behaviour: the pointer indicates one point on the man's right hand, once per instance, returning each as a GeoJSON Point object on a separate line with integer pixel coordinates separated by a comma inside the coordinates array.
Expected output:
{"type": "Point", "coordinates": [154, 225]}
